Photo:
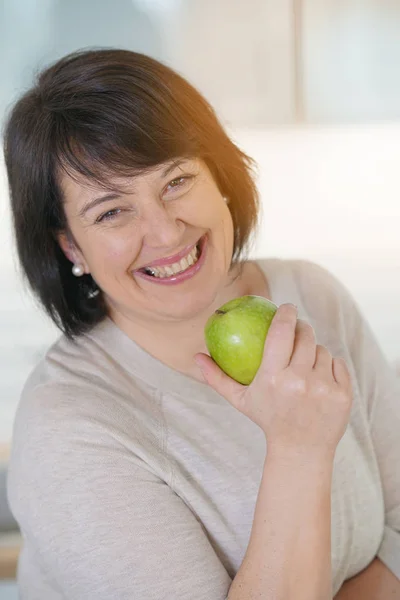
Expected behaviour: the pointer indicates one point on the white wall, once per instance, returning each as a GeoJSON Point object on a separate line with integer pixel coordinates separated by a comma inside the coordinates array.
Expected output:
{"type": "Point", "coordinates": [329, 194]}
{"type": "Point", "coordinates": [333, 195]}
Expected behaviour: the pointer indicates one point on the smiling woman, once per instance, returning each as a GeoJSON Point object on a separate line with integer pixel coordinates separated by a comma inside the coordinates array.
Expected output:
{"type": "Point", "coordinates": [138, 468]}
{"type": "Point", "coordinates": [69, 127]}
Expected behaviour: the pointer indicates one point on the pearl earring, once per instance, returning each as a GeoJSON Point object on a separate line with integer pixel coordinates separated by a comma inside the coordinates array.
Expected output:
{"type": "Point", "coordinates": [78, 270]}
{"type": "Point", "coordinates": [226, 200]}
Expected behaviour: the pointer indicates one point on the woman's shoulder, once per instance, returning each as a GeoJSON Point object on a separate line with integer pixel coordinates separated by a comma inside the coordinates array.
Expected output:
{"type": "Point", "coordinates": [321, 297]}
{"type": "Point", "coordinates": [78, 399]}
{"type": "Point", "coordinates": [314, 283]}
{"type": "Point", "coordinates": [69, 364]}
{"type": "Point", "coordinates": [78, 384]}
{"type": "Point", "coordinates": [86, 361]}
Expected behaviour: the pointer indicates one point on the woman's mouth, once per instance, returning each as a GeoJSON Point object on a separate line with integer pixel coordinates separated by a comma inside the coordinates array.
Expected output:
{"type": "Point", "coordinates": [178, 272]}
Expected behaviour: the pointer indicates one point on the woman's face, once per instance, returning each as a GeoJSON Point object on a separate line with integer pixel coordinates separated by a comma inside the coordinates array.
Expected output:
{"type": "Point", "coordinates": [162, 213]}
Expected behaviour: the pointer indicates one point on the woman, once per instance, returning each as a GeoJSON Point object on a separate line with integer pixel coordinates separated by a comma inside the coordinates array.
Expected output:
{"type": "Point", "coordinates": [139, 469]}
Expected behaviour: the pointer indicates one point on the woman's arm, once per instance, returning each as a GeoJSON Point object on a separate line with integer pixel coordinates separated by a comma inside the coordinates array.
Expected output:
{"type": "Point", "coordinates": [97, 519]}
{"type": "Point", "coordinates": [289, 552]}
{"type": "Point", "coordinates": [376, 582]}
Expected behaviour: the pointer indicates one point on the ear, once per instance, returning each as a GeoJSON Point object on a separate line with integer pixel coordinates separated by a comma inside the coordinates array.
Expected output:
{"type": "Point", "coordinates": [71, 250]}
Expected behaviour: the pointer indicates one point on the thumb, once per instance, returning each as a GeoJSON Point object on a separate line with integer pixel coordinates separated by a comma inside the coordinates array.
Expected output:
{"type": "Point", "coordinates": [227, 387]}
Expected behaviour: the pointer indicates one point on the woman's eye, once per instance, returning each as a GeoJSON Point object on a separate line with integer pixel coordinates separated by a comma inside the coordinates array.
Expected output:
{"type": "Point", "coordinates": [179, 182]}
{"type": "Point", "coordinates": [110, 214]}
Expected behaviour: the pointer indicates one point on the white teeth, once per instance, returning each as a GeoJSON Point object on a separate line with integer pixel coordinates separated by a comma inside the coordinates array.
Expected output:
{"type": "Point", "coordinates": [175, 268]}
{"type": "Point", "coordinates": [184, 264]}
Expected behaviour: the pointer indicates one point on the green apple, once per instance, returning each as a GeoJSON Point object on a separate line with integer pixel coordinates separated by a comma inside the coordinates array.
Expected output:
{"type": "Point", "coordinates": [235, 335]}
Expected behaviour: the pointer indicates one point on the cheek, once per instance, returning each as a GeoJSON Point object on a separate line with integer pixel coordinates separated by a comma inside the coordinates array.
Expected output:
{"type": "Point", "coordinates": [220, 220]}
{"type": "Point", "coordinates": [228, 231]}
{"type": "Point", "coordinates": [211, 209]}
{"type": "Point", "coordinates": [112, 249]}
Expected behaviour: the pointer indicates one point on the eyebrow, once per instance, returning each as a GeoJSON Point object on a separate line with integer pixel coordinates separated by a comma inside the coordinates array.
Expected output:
{"type": "Point", "coordinates": [115, 195]}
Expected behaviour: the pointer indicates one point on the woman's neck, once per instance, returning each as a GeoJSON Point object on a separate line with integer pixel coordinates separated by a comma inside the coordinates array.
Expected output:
{"type": "Point", "coordinates": [160, 341]}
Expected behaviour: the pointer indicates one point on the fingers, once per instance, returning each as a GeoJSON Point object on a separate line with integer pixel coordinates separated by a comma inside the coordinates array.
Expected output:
{"type": "Point", "coordinates": [227, 387]}
{"type": "Point", "coordinates": [304, 350]}
{"type": "Point", "coordinates": [292, 341]}
{"type": "Point", "coordinates": [341, 374]}
{"type": "Point", "coordinates": [279, 342]}
{"type": "Point", "coordinates": [323, 359]}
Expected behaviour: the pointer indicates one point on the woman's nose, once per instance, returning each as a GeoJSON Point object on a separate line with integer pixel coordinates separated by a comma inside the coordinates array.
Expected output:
{"type": "Point", "coordinates": [162, 228]}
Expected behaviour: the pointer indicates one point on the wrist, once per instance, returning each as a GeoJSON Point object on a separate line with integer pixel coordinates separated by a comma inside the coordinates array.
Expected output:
{"type": "Point", "coordinates": [295, 457]}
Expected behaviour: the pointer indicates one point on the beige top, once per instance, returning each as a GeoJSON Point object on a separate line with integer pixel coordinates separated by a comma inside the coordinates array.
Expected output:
{"type": "Point", "coordinates": [132, 481]}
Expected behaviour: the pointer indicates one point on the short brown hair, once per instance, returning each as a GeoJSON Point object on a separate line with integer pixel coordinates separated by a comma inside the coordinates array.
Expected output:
{"type": "Point", "coordinates": [97, 113]}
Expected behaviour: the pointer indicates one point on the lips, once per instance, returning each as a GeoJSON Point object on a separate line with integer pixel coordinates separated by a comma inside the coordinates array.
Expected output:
{"type": "Point", "coordinates": [182, 276]}
{"type": "Point", "coordinates": [170, 260]}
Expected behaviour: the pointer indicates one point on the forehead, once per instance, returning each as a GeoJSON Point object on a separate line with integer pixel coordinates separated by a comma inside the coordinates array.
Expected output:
{"type": "Point", "coordinates": [76, 185]}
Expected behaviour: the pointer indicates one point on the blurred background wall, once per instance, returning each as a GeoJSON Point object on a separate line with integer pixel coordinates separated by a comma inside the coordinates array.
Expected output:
{"type": "Point", "coordinates": [309, 88]}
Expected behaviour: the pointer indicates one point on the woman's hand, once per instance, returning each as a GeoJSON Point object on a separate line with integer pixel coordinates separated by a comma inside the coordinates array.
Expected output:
{"type": "Point", "coordinates": [300, 397]}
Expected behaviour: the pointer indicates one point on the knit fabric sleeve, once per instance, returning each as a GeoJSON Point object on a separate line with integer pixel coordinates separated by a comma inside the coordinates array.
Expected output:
{"type": "Point", "coordinates": [98, 521]}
